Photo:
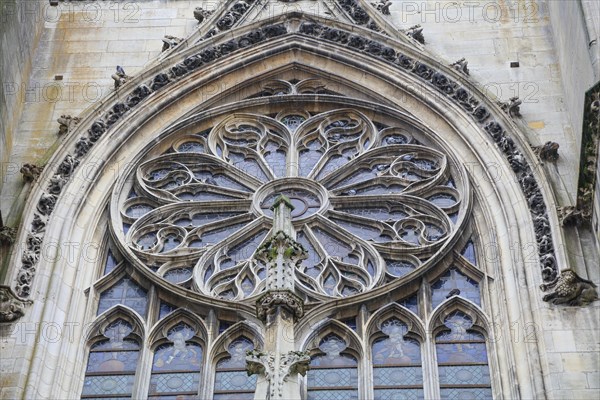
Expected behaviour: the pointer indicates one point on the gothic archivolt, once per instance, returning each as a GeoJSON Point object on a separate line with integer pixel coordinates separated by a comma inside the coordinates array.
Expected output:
{"type": "Point", "coordinates": [214, 49]}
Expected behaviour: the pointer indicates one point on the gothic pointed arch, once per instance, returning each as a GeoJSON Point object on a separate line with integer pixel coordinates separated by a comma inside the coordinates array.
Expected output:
{"type": "Point", "coordinates": [380, 148]}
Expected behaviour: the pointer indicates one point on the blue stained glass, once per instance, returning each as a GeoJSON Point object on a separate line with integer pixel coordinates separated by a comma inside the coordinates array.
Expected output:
{"type": "Point", "coordinates": [248, 165]}
{"type": "Point", "coordinates": [111, 262]}
{"type": "Point", "coordinates": [237, 350]}
{"type": "Point", "coordinates": [466, 393]}
{"type": "Point", "coordinates": [191, 147]}
{"type": "Point", "coordinates": [174, 383]}
{"type": "Point", "coordinates": [399, 394]}
{"type": "Point", "coordinates": [244, 250]}
{"type": "Point", "coordinates": [464, 375]}
{"type": "Point", "coordinates": [178, 275]}
{"type": "Point", "coordinates": [313, 256]}
{"type": "Point", "coordinates": [412, 303]}
{"type": "Point", "coordinates": [333, 395]}
{"type": "Point", "coordinates": [309, 157]}
{"type": "Point", "coordinates": [108, 385]}
{"type": "Point", "coordinates": [115, 362]}
{"type": "Point", "coordinates": [461, 353]}
{"type": "Point", "coordinates": [178, 356]}
{"type": "Point", "coordinates": [397, 376]}
{"type": "Point", "coordinates": [234, 380]}
{"type": "Point", "coordinates": [138, 210]}
{"type": "Point", "coordinates": [395, 349]}
{"type": "Point", "coordinates": [399, 268]}
{"type": "Point", "coordinates": [332, 377]}
{"type": "Point", "coordinates": [223, 325]}
{"type": "Point", "coordinates": [165, 309]}
{"type": "Point", "coordinates": [233, 396]}
{"type": "Point", "coordinates": [443, 200]}
{"type": "Point", "coordinates": [125, 292]}
{"type": "Point", "coordinates": [335, 247]}
{"type": "Point", "coordinates": [452, 281]}
{"type": "Point", "coordinates": [469, 252]}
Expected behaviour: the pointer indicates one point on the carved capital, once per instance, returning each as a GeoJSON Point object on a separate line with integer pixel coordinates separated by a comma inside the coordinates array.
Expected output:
{"type": "Point", "coordinates": [276, 370]}
{"type": "Point", "coordinates": [570, 289]}
{"type": "Point", "coordinates": [268, 303]}
{"type": "Point", "coordinates": [11, 307]}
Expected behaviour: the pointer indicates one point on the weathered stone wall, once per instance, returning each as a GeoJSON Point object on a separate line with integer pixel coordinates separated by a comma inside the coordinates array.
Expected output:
{"type": "Point", "coordinates": [82, 42]}
{"type": "Point", "coordinates": [20, 25]}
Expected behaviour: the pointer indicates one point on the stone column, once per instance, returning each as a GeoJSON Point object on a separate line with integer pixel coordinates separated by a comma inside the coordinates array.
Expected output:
{"type": "Point", "coordinates": [279, 364]}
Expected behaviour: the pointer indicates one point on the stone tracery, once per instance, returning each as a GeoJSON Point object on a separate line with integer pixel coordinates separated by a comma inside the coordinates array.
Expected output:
{"type": "Point", "coordinates": [367, 198]}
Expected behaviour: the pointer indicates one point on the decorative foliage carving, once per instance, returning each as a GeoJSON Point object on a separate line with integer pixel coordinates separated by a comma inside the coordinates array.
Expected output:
{"type": "Point", "coordinates": [276, 371]}
{"type": "Point", "coordinates": [358, 14]}
{"type": "Point", "coordinates": [570, 289]}
{"type": "Point", "coordinates": [11, 307]}
{"type": "Point", "coordinates": [547, 152]}
{"type": "Point", "coordinates": [269, 302]}
{"type": "Point", "coordinates": [31, 172]}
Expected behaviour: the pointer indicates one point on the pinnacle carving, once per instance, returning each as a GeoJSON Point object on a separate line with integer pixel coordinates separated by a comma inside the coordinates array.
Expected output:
{"type": "Point", "coordinates": [281, 255]}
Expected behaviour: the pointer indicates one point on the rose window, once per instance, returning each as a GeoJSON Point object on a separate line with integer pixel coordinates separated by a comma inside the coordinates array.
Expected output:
{"type": "Point", "coordinates": [374, 201]}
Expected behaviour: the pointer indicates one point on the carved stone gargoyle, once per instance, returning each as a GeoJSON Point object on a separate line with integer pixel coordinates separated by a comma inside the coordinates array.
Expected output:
{"type": "Point", "coordinates": [461, 66]}
{"type": "Point", "coordinates": [416, 32]}
{"type": "Point", "coordinates": [30, 172]}
{"type": "Point", "coordinates": [120, 77]}
{"type": "Point", "coordinates": [67, 123]}
{"type": "Point", "coordinates": [570, 216]}
{"type": "Point", "coordinates": [201, 14]}
{"type": "Point", "coordinates": [511, 107]}
{"type": "Point", "coordinates": [170, 41]}
{"type": "Point", "coordinates": [11, 307]}
{"type": "Point", "coordinates": [383, 6]}
{"type": "Point", "coordinates": [570, 289]}
{"type": "Point", "coordinates": [8, 235]}
{"type": "Point", "coordinates": [547, 152]}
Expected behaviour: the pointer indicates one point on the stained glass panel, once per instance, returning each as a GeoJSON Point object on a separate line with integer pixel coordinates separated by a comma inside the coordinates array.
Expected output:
{"type": "Point", "coordinates": [231, 376]}
{"type": "Point", "coordinates": [464, 375]}
{"type": "Point", "coordinates": [466, 394]}
{"type": "Point", "coordinates": [112, 363]}
{"type": "Point", "coordinates": [333, 395]}
{"type": "Point", "coordinates": [127, 293]}
{"type": "Point", "coordinates": [399, 394]}
{"type": "Point", "coordinates": [454, 282]}
{"type": "Point", "coordinates": [111, 262]}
